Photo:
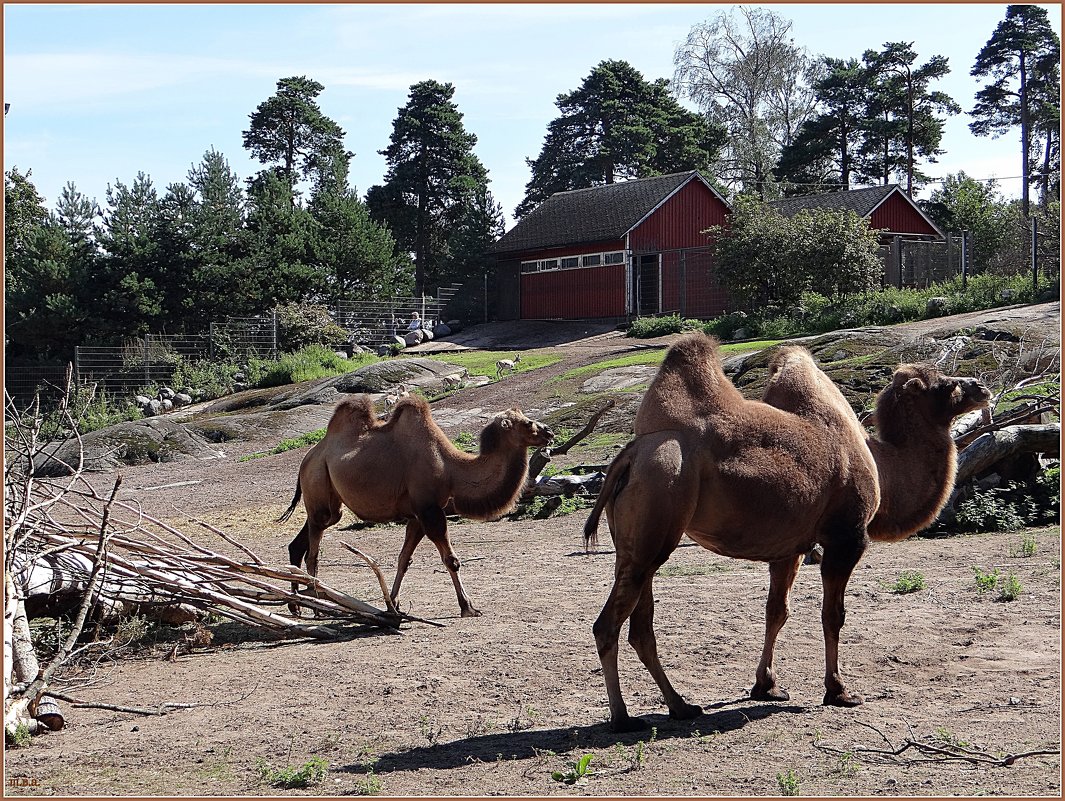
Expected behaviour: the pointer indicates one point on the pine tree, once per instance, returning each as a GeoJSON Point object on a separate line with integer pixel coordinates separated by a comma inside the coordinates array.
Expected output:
{"type": "Point", "coordinates": [290, 131]}
{"type": "Point", "coordinates": [432, 174]}
{"type": "Point", "coordinates": [1023, 59]}
{"type": "Point", "coordinates": [617, 125]}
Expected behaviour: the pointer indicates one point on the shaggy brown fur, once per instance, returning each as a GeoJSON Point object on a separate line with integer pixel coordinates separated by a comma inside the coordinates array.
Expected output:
{"type": "Point", "coordinates": [406, 469]}
{"type": "Point", "coordinates": [914, 452]}
{"type": "Point", "coordinates": [743, 479]}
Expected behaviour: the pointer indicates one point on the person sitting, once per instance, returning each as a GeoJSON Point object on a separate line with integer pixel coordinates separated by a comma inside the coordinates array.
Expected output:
{"type": "Point", "coordinates": [415, 323]}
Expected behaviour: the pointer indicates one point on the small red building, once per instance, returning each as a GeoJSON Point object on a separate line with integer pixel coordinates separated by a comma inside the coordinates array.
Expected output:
{"type": "Point", "coordinates": [885, 207]}
{"type": "Point", "coordinates": [630, 248]}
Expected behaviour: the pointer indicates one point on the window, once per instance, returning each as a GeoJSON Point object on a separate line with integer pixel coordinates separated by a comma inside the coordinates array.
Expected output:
{"type": "Point", "coordinates": [549, 264]}
{"type": "Point", "coordinates": [529, 266]}
{"type": "Point", "coordinates": [614, 258]}
{"type": "Point", "coordinates": [570, 261]}
{"type": "Point", "coordinates": [592, 260]}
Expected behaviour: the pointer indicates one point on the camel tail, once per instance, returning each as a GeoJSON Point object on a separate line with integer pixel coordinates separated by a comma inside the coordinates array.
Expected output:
{"type": "Point", "coordinates": [292, 506]}
{"type": "Point", "coordinates": [617, 476]}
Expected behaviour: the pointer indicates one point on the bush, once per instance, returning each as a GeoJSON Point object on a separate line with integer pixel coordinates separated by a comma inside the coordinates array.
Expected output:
{"type": "Point", "coordinates": [210, 379]}
{"type": "Point", "coordinates": [302, 324]}
{"type": "Point", "coordinates": [648, 327]}
{"type": "Point", "coordinates": [992, 511]}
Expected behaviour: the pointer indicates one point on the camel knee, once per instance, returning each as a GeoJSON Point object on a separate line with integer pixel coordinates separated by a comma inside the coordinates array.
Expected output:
{"type": "Point", "coordinates": [452, 563]}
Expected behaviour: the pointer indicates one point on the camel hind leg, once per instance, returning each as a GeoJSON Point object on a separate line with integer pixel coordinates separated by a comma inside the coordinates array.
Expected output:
{"type": "Point", "coordinates": [323, 511]}
{"type": "Point", "coordinates": [782, 575]}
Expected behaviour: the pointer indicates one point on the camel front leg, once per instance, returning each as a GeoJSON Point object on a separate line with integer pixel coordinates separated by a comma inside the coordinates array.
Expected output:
{"type": "Point", "coordinates": [415, 532]}
{"type": "Point", "coordinates": [836, 569]}
{"type": "Point", "coordinates": [435, 524]}
{"type": "Point", "coordinates": [782, 575]}
{"type": "Point", "coordinates": [642, 639]}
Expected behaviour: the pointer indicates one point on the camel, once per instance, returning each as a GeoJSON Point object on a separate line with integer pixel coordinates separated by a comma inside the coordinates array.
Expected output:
{"type": "Point", "coordinates": [406, 469]}
{"type": "Point", "coordinates": [705, 458]}
{"type": "Point", "coordinates": [504, 366]}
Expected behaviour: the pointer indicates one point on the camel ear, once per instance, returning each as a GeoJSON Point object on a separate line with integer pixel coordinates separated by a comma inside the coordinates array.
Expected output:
{"type": "Point", "coordinates": [505, 423]}
{"type": "Point", "coordinates": [914, 385]}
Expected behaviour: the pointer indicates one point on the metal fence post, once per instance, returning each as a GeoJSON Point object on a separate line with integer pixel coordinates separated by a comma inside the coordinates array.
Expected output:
{"type": "Point", "coordinates": [683, 285]}
{"type": "Point", "coordinates": [964, 258]}
{"type": "Point", "coordinates": [275, 354]}
{"type": "Point", "coordinates": [1035, 255]}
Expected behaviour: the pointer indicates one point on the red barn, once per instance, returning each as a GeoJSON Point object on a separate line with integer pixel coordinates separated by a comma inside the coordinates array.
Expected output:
{"type": "Point", "coordinates": [623, 249]}
{"type": "Point", "coordinates": [886, 207]}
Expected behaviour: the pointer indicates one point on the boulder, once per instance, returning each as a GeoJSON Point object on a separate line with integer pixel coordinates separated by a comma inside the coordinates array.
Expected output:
{"type": "Point", "coordinates": [454, 325]}
{"type": "Point", "coordinates": [182, 399]}
{"type": "Point", "coordinates": [441, 330]}
{"type": "Point", "coordinates": [157, 439]}
{"type": "Point", "coordinates": [166, 393]}
{"type": "Point", "coordinates": [414, 337]}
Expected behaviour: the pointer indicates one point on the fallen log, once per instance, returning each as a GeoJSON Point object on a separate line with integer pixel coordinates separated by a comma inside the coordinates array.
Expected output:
{"type": "Point", "coordinates": [994, 446]}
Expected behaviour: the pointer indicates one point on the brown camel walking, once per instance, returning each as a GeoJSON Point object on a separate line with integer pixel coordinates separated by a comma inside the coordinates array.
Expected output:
{"type": "Point", "coordinates": [747, 480]}
{"type": "Point", "coordinates": [406, 469]}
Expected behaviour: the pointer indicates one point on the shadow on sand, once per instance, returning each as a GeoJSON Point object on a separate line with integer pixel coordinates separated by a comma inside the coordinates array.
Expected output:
{"type": "Point", "coordinates": [530, 744]}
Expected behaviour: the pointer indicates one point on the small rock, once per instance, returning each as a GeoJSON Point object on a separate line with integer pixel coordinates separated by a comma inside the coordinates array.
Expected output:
{"type": "Point", "coordinates": [182, 399]}
{"type": "Point", "coordinates": [142, 401]}
{"type": "Point", "coordinates": [441, 330]}
{"type": "Point", "coordinates": [937, 306]}
{"type": "Point", "coordinates": [413, 338]}
{"type": "Point", "coordinates": [152, 408]}
{"type": "Point", "coordinates": [166, 393]}
{"type": "Point", "coordinates": [1014, 700]}
{"type": "Point", "coordinates": [167, 404]}
{"type": "Point", "coordinates": [741, 333]}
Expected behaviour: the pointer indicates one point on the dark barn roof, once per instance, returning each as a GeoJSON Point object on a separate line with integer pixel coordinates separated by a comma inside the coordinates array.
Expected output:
{"type": "Point", "coordinates": [862, 202]}
{"type": "Point", "coordinates": [592, 215]}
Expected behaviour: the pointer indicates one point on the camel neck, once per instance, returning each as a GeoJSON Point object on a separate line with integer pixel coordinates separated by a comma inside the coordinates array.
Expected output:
{"type": "Point", "coordinates": [916, 473]}
{"type": "Point", "coordinates": [488, 484]}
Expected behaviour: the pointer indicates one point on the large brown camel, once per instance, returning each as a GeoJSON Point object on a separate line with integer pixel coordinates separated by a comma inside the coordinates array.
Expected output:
{"type": "Point", "coordinates": [749, 480]}
{"type": "Point", "coordinates": [406, 469]}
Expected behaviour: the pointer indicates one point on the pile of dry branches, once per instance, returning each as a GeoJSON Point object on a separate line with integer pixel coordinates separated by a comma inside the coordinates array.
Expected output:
{"type": "Point", "coordinates": [63, 537]}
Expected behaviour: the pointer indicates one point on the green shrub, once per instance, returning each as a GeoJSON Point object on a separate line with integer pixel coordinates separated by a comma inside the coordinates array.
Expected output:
{"type": "Point", "coordinates": [648, 327]}
{"type": "Point", "coordinates": [311, 771]}
{"type": "Point", "coordinates": [985, 582]}
{"type": "Point", "coordinates": [303, 324]}
{"type": "Point", "coordinates": [788, 783]}
{"type": "Point", "coordinates": [1009, 588]}
{"type": "Point", "coordinates": [211, 379]}
{"type": "Point", "coordinates": [993, 511]}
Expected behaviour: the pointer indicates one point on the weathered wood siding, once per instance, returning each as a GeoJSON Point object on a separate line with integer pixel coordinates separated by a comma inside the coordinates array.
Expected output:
{"type": "Point", "coordinates": [899, 217]}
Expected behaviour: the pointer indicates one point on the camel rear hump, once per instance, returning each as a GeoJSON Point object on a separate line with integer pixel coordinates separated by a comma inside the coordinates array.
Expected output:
{"type": "Point", "coordinates": [690, 384]}
{"type": "Point", "coordinates": [353, 417]}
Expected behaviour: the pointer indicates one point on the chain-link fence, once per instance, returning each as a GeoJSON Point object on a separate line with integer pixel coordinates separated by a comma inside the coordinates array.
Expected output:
{"type": "Point", "coordinates": [680, 281]}
{"type": "Point", "coordinates": [919, 263]}
{"type": "Point", "coordinates": [377, 322]}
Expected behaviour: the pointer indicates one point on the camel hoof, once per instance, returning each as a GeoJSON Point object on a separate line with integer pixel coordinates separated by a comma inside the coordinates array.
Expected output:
{"type": "Point", "coordinates": [471, 612]}
{"type": "Point", "coordinates": [294, 610]}
{"type": "Point", "coordinates": [629, 724]}
{"type": "Point", "coordinates": [843, 698]}
{"type": "Point", "coordinates": [773, 693]}
{"type": "Point", "coordinates": [686, 712]}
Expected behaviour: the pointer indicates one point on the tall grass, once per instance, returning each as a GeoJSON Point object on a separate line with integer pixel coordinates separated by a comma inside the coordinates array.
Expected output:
{"type": "Point", "coordinates": [305, 364]}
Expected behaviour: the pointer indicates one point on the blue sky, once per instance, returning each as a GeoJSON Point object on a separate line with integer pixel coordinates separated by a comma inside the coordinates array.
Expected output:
{"type": "Point", "coordinates": [100, 92]}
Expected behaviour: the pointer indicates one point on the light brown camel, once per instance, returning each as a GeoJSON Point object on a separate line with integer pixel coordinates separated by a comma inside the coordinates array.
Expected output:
{"type": "Point", "coordinates": [406, 469]}
{"type": "Point", "coordinates": [743, 479]}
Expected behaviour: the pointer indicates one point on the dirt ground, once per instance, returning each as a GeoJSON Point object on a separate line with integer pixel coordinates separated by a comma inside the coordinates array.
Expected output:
{"type": "Point", "coordinates": [495, 705]}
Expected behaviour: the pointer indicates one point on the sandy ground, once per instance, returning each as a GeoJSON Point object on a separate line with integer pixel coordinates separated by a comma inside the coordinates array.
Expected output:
{"type": "Point", "coordinates": [495, 705]}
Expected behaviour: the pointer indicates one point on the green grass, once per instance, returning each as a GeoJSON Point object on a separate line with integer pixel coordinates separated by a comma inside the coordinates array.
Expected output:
{"type": "Point", "coordinates": [483, 362]}
{"type": "Point", "coordinates": [908, 581]}
{"type": "Point", "coordinates": [310, 438]}
{"type": "Point", "coordinates": [655, 356]}
{"type": "Point", "coordinates": [306, 364]}
{"type": "Point", "coordinates": [310, 772]}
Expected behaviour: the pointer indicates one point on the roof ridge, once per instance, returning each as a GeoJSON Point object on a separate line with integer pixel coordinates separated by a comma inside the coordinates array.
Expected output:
{"type": "Point", "coordinates": [622, 183]}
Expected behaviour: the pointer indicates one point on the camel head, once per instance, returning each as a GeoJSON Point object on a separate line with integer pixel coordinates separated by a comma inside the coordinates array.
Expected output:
{"type": "Point", "coordinates": [516, 429]}
{"type": "Point", "coordinates": [920, 391]}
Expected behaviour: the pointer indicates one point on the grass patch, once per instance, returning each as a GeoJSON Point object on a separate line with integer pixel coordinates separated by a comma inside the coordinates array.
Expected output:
{"type": "Point", "coordinates": [310, 438]}
{"type": "Point", "coordinates": [641, 357]}
{"type": "Point", "coordinates": [288, 778]}
{"type": "Point", "coordinates": [306, 364]}
{"type": "Point", "coordinates": [908, 581]}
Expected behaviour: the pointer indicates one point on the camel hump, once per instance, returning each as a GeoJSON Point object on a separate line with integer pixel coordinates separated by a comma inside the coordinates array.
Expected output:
{"type": "Point", "coordinates": [690, 385]}
{"type": "Point", "coordinates": [353, 416]}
